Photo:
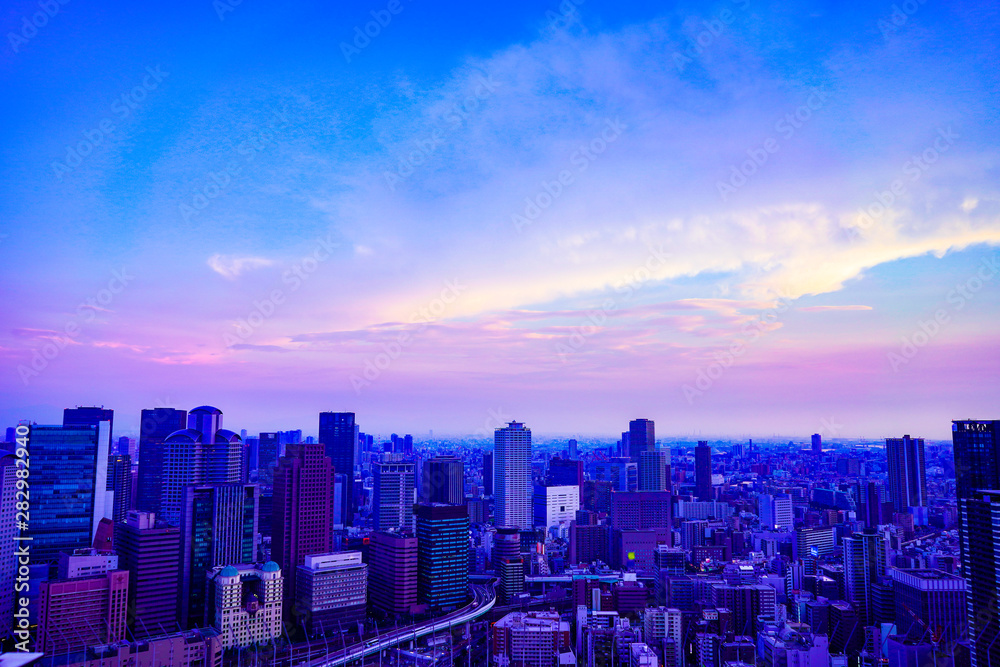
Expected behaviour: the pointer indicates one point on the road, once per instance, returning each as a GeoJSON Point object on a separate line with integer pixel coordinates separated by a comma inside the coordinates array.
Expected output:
{"type": "Point", "coordinates": [483, 599]}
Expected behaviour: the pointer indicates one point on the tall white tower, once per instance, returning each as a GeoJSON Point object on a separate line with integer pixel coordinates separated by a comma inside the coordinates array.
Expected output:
{"type": "Point", "coordinates": [512, 475]}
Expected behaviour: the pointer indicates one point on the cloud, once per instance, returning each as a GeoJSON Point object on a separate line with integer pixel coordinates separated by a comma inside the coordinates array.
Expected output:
{"type": "Point", "coordinates": [823, 309]}
{"type": "Point", "coordinates": [231, 267]}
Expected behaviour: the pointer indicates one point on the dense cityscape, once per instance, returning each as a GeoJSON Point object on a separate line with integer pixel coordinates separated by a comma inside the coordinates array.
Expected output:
{"type": "Point", "coordinates": [197, 546]}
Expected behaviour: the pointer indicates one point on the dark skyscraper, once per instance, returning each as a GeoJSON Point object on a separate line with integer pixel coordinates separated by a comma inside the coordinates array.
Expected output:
{"type": "Point", "coordinates": [488, 473]}
{"type": "Point", "coordinates": [443, 480]}
{"type": "Point", "coordinates": [120, 483]}
{"type": "Point", "coordinates": [156, 425]}
{"type": "Point", "coordinates": [149, 551]}
{"type": "Point", "coordinates": [817, 443]}
{"type": "Point", "coordinates": [641, 438]}
{"type": "Point", "coordinates": [703, 470]}
{"type": "Point", "coordinates": [907, 472]}
{"type": "Point", "coordinates": [508, 563]}
{"type": "Point", "coordinates": [565, 472]}
{"type": "Point", "coordinates": [303, 511]}
{"type": "Point", "coordinates": [443, 549]}
{"type": "Point", "coordinates": [338, 433]}
{"type": "Point", "coordinates": [977, 471]}
{"type": "Point", "coordinates": [90, 417]}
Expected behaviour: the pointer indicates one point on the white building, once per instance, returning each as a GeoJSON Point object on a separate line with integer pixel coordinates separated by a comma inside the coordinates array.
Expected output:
{"type": "Point", "coordinates": [535, 639]}
{"type": "Point", "coordinates": [512, 475]}
{"type": "Point", "coordinates": [775, 512]}
{"type": "Point", "coordinates": [245, 603]}
{"type": "Point", "coordinates": [660, 624]}
{"type": "Point", "coordinates": [332, 587]}
{"type": "Point", "coordinates": [640, 655]}
{"type": "Point", "coordinates": [556, 506]}
{"type": "Point", "coordinates": [86, 563]}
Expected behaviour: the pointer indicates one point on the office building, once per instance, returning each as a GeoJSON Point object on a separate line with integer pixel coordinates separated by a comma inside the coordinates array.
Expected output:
{"type": "Point", "coordinates": [512, 477]}
{"type": "Point", "coordinates": [8, 543]}
{"type": "Point", "coordinates": [817, 443]}
{"type": "Point", "coordinates": [203, 453]}
{"type": "Point", "coordinates": [80, 612]}
{"type": "Point", "coordinates": [393, 489]}
{"type": "Point", "coordinates": [487, 473]}
{"type": "Point", "coordinates": [935, 597]}
{"type": "Point", "coordinates": [703, 471]}
{"type": "Point", "coordinates": [555, 506]}
{"type": "Point", "coordinates": [976, 446]}
{"type": "Point", "coordinates": [443, 480]}
{"type": "Point", "coordinates": [907, 472]}
{"type": "Point", "coordinates": [218, 526]}
{"type": "Point", "coordinates": [443, 555]}
{"type": "Point", "coordinates": [154, 428]}
{"type": "Point", "coordinates": [641, 438]}
{"type": "Point", "coordinates": [149, 552]}
{"type": "Point", "coordinates": [662, 626]}
{"type": "Point", "coordinates": [564, 472]}
{"type": "Point", "coordinates": [303, 513]}
{"type": "Point", "coordinates": [69, 468]}
{"type": "Point", "coordinates": [530, 639]}
{"type": "Point", "coordinates": [393, 559]}
{"type": "Point", "coordinates": [508, 564]}
{"type": "Point", "coordinates": [86, 562]}
{"type": "Point", "coordinates": [775, 512]}
{"type": "Point", "coordinates": [244, 603]}
{"type": "Point", "coordinates": [332, 590]}
{"type": "Point", "coordinates": [637, 510]}
{"type": "Point", "coordinates": [91, 416]}
{"type": "Point", "coordinates": [864, 565]}
{"type": "Point", "coordinates": [572, 449]}
{"type": "Point", "coordinates": [654, 470]}
{"type": "Point", "coordinates": [338, 433]}
{"type": "Point", "coordinates": [120, 485]}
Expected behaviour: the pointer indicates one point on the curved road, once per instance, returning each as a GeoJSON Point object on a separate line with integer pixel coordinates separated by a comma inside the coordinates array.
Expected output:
{"type": "Point", "coordinates": [483, 599]}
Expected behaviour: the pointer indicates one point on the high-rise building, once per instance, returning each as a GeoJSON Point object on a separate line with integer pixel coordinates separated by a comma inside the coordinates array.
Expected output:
{"type": "Point", "coordinates": [244, 603]}
{"type": "Point", "coordinates": [530, 639]}
{"type": "Point", "coordinates": [641, 438]}
{"type": "Point", "coordinates": [203, 453]}
{"type": "Point", "coordinates": [393, 488]}
{"type": "Point", "coordinates": [775, 512]}
{"type": "Point", "coordinates": [654, 470]}
{"type": "Point", "coordinates": [977, 455]}
{"type": "Point", "coordinates": [149, 551]}
{"type": "Point", "coordinates": [662, 626]}
{"type": "Point", "coordinates": [907, 472]}
{"type": "Point", "coordinates": [8, 543]}
{"type": "Point", "coordinates": [69, 468]}
{"type": "Point", "coordinates": [572, 449]}
{"type": "Point", "coordinates": [267, 453]}
{"type": "Point", "coordinates": [338, 433]}
{"type": "Point", "coordinates": [512, 477]}
{"type": "Point", "coordinates": [91, 416]}
{"type": "Point", "coordinates": [80, 612]}
{"type": "Point", "coordinates": [935, 597]}
{"type": "Point", "coordinates": [443, 480]}
{"type": "Point", "coordinates": [564, 472]}
{"type": "Point", "coordinates": [443, 548]}
{"type": "Point", "coordinates": [393, 558]}
{"type": "Point", "coordinates": [632, 510]}
{"type": "Point", "coordinates": [555, 506]}
{"type": "Point", "coordinates": [817, 443]}
{"type": "Point", "coordinates": [120, 484]}
{"type": "Point", "coordinates": [703, 470]}
{"type": "Point", "coordinates": [332, 589]}
{"type": "Point", "coordinates": [508, 563]}
{"type": "Point", "coordinates": [218, 526]}
{"type": "Point", "coordinates": [487, 473]}
{"type": "Point", "coordinates": [156, 425]}
{"type": "Point", "coordinates": [303, 513]}
{"type": "Point", "coordinates": [864, 565]}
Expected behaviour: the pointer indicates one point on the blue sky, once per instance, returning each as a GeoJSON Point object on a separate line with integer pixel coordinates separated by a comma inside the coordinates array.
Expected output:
{"type": "Point", "coordinates": [588, 202]}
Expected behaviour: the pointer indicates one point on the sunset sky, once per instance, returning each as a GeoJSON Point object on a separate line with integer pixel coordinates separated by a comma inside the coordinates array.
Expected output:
{"type": "Point", "coordinates": [735, 218]}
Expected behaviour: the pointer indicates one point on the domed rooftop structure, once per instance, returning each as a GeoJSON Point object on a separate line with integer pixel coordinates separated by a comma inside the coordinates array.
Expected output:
{"type": "Point", "coordinates": [205, 409]}
{"type": "Point", "coordinates": [270, 566]}
{"type": "Point", "coordinates": [229, 571]}
{"type": "Point", "coordinates": [185, 435]}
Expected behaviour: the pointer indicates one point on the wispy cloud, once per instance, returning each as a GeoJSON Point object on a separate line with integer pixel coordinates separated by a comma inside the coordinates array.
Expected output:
{"type": "Point", "coordinates": [229, 266]}
{"type": "Point", "coordinates": [823, 309]}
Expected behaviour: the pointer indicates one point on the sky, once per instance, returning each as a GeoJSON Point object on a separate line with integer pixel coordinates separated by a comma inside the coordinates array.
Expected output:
{"type": "Point", "coordinates": [734, 218]}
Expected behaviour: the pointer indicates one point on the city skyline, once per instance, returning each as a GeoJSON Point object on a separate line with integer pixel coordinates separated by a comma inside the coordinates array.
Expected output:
{"type": "Point", "coordinates": [666, 183]}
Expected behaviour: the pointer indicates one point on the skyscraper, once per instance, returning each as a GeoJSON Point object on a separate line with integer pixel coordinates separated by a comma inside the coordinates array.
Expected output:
{"type": "Point", "coordinates": [393, 488]}
{"type": "Point", "coordinates": [488, 473]}
{"type": "Point", "coordinates": [393, 577]}
{"type": "Point", "coordinates": [203, 453]}
{"type": "Point", "coordinates": [977, 472]}
{"type": "Point", "coordinates": [303, 512]}
{"type": "Point", "coordinates": [443, 555]}
{"type": "Point", "coordinates": [907, 472]}
{"type": "Point", "coordinates": [155, 426]}
{"type": "Point", "coordinates": [864, 566]}
{"type": "Point", "coordinates": [817, 443]}
{"type": "Point", "coordinates": [564, 472]}
{"type": "Point", "coordinates": [81, 612]}
{"type": "Point", "coordinates": [338, 433]}
{"type": "Point", "coordinates": [150, 554]}
{"type": "Point", "coordinates": [653, 470]}
{"type": "Point", "coordinates": [508, 563]}
{"type": "Point", "coordinates": [69, 469]}
{"type": "Point", "coordinates": [120, 483]}
{"type": "Point", "coordinates": [512, 477]}
{"type": "Point", "coordinates": [91, 416]}
{"type": "Point", "coordinates": [703, 470]}
{"type": "Point", "coordinates": [218, 526]}
{"type": "Point", "coordinates": [443, 480]}
{"type": "Point", "coordinates": [8, 543]}
{"type": "Point", "coordinates": [641, 438]}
